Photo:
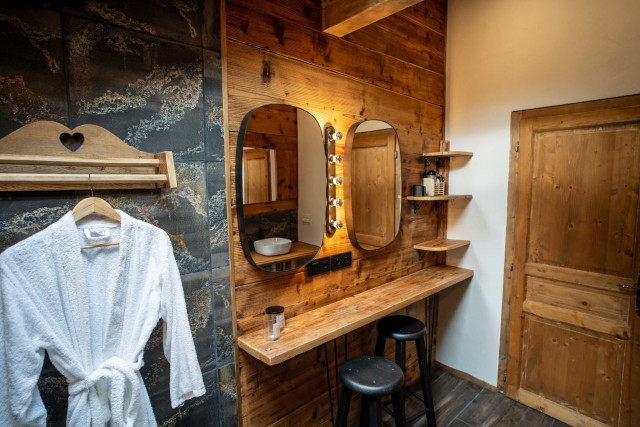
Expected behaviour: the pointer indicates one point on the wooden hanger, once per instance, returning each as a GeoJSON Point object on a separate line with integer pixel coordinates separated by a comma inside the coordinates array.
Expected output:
{"type": "Point", "coordinates": [95, 205]}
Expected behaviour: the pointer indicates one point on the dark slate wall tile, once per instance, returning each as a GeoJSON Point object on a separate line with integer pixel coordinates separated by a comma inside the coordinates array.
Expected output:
{"type": "Point", "coordinates": [211, 25]}
{"type": "Point", "coordinates": [24, 214]}
{"type": "Point", "coordinates": [179, 20]}
{"type": "Point", "coordinates": [199, 411]}
{"type": "Point", "coordinates": [218, 225]}
{"type": "Point", "coordinates": [214, 130]}
{"type": "Point", "coordinates": [228, 399]}
{"type": "Point", "coordinates": [223, 315]}
{"type": "Point", "coordinates": [127, 71]}
{"type": "Point", "coordinates": [181, 212]}
{"type": "Point", "coordinates": [145, 90]}
{"type": "Point", "coordinates": [32, 85]}
{"type": "Point", "coordinates": [54, 392]}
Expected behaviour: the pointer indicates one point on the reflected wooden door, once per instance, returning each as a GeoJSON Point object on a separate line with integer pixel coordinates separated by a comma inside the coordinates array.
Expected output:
{"type": "Point", "coordinates": [256, 176]}
{"type": "Point", "coordinates": [373, 174]}
{"type": "Point", "coordinates": [573, 333]}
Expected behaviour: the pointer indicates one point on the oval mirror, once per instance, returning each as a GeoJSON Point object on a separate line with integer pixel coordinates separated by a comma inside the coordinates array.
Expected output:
{"type": "Point", "coordinates": [281, 181]}
{"type": "Point", "coordinates": [373, 188]}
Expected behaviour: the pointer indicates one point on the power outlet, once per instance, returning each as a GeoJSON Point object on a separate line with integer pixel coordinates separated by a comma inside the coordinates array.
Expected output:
{"type": "Point", "coordinates": [319, 266]}
{"type": "Point", "coordinates": [341, 260]}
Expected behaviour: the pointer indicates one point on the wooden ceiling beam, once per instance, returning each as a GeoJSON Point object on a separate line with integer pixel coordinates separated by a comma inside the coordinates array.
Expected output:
{"type": "Point", "coordinates": [342, 17]}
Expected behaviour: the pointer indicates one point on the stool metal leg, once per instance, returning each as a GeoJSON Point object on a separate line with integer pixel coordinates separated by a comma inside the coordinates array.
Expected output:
{"type": "Point", "coordinates": [375, 416]}
{"type": "Point", "coordinates": [364, 411]}
{"type": "Point", "coordinates": [343, 408]}
{"type": "Point", "coordinates": [397, 400]}
{"type": "Point", "coordinates": [424, 379]}
{"type": "Point", "coordinates": [380, 342]}
{"type": "Point", "coordinates": [401, 355]}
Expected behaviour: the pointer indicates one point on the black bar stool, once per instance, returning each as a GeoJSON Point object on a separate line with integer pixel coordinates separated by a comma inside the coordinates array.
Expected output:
{"type": "Point", "coordinates": [372, 377]}
{"type": "Point", "coordinates": [403, 329]}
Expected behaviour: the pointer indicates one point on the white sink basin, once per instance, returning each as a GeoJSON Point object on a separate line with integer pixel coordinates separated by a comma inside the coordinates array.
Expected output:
{"type": "Point", "coordinates": [272, 246]}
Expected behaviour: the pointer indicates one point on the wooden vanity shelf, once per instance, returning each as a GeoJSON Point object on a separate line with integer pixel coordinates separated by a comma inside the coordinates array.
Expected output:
{"type": "Point", "coordinates": [49, 156]}
{"type": "Point", "coordinates": [316, 327]}
{"type": "Point", "coordinates": [416, 199]}
{"type": "Point", "coordinates": [440, 154]}
{"type": "Point", "coordinates": [298, 250]}
{"type": "Point", "coordinates": [439, 245]}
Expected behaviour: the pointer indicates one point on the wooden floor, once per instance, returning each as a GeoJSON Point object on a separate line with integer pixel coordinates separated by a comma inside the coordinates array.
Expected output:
{"type": "Point", "coordinates": [460, 403]}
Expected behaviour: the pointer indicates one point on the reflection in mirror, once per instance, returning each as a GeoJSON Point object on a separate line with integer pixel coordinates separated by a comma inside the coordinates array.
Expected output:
{"type": "Point", "coordinates": [373, 191]}
{"type": "Point", "coordinates": [281, 212]}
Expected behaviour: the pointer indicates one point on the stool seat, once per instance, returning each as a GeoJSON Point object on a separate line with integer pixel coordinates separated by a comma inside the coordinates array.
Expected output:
{"type": "Point", "coordinates": [402, 328]}
{"type": "Point", "coordinates": [372, 376]}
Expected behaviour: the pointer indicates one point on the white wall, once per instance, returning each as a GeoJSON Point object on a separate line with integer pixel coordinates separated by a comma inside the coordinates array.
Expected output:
{"type": "Point", "coordinates": [503, 56]}
{"type": "Point", "coordinates": [312, 180]}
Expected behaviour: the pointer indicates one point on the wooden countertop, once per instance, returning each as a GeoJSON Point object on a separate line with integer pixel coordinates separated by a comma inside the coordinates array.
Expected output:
{"type": "Point", "coordinates": [315, 327]}
{"type": "Point", "coordinates": [298, 250]}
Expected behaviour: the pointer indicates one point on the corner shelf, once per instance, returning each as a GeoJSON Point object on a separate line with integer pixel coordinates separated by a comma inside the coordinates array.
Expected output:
{"type": "Point", "coordinates": [440, 154]}
{"type": "Point", "coordinates": [448, 154]}
{"type": "Point", "coordinates": [439, 245]}
{"type": "Point", "coordinates": [436, 199]}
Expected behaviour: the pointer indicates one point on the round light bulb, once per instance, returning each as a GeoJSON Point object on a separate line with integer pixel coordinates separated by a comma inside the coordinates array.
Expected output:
{"type": "Point", "coordinates": [335, 158]}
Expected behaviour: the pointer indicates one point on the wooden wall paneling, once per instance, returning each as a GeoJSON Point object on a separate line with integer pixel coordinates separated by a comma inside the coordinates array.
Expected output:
{"type": "Point", "coordinates": [341, 17]}
{"type": "Point", "coordinates": [398, 38]}
{"type": "Point", "coordinates": [277, 54]}
{"type": "Point", "coordinates": [293, 41]}
{"type": "Point", "coordinates": [303, 12]}
{"type": "Point", "coordinates": [299, 293]}
{"type": "Point", "coordinates": [263, 78]}
{"type": "Point", "coordinates": [414, 228]}
{"type": "Point", "coordinates": [430, 14]}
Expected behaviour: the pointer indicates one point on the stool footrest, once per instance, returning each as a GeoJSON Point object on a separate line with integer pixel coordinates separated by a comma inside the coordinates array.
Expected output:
{"type": "Point", "coordinates": [413, 417]}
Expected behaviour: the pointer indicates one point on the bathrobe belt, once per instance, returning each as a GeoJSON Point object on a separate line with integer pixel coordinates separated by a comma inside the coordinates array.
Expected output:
{"type": "Point", "coordinates": [125, 382]}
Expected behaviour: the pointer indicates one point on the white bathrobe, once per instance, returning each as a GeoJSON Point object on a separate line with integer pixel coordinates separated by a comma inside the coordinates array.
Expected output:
{"type": "Point", "coordinates": [93, 310]}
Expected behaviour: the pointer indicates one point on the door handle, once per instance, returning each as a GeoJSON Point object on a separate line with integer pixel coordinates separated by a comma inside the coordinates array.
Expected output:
{"type": "Point", "coordinates": [634, 288]}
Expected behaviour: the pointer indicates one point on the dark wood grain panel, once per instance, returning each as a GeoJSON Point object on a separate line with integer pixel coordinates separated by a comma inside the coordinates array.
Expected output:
{"type": "Point", "coordinates": [265, 78]}
{"type": "Point", "coordinates": [429, 14]}
{"type": "Point", "coordinates": [304, 12]}
{"type": "Point", "coordinates": [397, 37]}
{"type": "Point", "coordinates": [293, 41]}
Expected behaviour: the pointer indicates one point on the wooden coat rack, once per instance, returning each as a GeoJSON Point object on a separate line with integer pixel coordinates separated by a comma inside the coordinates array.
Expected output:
{"type": "Point", "coordinates": [47, 155]}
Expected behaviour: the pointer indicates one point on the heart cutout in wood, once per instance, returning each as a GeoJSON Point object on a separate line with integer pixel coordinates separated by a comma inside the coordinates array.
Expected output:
{"type": "Point", "coordinates": [72, 142]}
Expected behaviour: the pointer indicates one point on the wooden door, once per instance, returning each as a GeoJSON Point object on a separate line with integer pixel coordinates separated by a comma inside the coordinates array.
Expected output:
{"type": "Point", "coordinates": [573, 344]}
{"type": "Point", "coordinates": [256, 176]}
{"type": "Point", "coordinates": [373, 185]}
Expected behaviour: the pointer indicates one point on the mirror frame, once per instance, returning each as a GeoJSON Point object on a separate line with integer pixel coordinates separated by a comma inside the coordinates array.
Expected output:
{"type": "Point", "coordinates": [348, 205]}
{"type": "Point", "coordinates": [239, 189]}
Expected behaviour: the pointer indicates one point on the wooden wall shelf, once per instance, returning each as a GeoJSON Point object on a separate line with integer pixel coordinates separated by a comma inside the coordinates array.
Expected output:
{"type": "Point", "coordinates": [448, 154]}
{"type": "Point", "coordinates": [49, 156]}
{"type": "Point", "coordinates": [439, 198]}
{"type": "Point", "coordinates": [416, 199]}
{"type": "Point", "coordinates": [318, 326]}
{"type": "Point", "coordinates": [439, 245]}
{"type": "Point", "coordinates": [298, 250]}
